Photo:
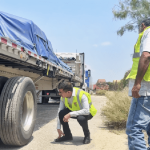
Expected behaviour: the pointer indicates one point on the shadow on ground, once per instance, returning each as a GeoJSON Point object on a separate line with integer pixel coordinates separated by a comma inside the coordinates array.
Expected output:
{"type": "Point", "coordinates": [77, 140]}
{"type": "Point", "coordinates": [45, 114]}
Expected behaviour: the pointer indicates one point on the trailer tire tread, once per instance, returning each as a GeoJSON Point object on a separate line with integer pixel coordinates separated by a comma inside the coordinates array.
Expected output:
{"type": "Point", "coordinates": [2, 105]}
{"type": "Point", "coordinates": [11, 100]}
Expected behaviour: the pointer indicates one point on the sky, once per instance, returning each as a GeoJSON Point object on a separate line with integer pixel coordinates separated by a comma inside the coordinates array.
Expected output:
{"type": "Point", "coordinates": [84, 26]}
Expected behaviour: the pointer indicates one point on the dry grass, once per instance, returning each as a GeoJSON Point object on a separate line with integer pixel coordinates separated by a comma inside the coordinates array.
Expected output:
{"type": "Point", "coordinates": [117, 108]}
{"type": "Point", "coordinates": [101, 92]}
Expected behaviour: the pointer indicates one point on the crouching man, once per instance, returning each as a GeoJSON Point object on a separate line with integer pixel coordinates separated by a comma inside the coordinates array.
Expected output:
{"type": "Point", "coordinates": [74, 103]}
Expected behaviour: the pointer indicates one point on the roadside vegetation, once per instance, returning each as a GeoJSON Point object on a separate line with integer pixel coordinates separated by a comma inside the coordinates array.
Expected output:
{"type": "Point", "coordinates": [119, 86]}
{"type": "Point", "coordinates": [117, 107]}
{"type": "Point", "coordinates": [101, 92]}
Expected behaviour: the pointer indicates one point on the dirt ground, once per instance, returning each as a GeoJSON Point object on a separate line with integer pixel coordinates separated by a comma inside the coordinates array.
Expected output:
{"type": "Point", "coordinates": [102, 138]}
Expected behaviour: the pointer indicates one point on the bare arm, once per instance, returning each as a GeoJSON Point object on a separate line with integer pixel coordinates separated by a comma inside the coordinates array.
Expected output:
{"type": "Point", "coordinates": [142, 68]}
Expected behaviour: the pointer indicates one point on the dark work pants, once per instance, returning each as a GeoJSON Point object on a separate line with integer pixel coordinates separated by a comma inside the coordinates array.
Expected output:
{"type": "Point", "coordinates": [82, 120]}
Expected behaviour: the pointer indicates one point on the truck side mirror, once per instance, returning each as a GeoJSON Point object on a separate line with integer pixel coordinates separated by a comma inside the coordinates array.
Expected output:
{"type": "Point", "coordinates": [89, 73]}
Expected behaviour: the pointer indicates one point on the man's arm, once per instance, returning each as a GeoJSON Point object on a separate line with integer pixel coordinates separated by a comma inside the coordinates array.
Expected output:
{"type": "Point", "coordinates": [61, 107]}
{"type": "Point", "coordinates": [84, 111]}
{"type": "Point", "coordinates": [142, 68]}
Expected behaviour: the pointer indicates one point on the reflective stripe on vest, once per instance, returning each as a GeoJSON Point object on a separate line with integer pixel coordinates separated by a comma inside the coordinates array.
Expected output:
{"type": "Point", "coordinates": [136, 55]}
{"type": "Point", "coordinates": [78, 93]}
{"type": "Point", "coordinates": [79, 102]}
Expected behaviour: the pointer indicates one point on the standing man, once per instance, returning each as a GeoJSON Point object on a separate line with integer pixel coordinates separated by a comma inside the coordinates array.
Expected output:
{"type": "Point", "coordinates": [139, 89]}
{"type": "Point", "coordinates": [77, 104]}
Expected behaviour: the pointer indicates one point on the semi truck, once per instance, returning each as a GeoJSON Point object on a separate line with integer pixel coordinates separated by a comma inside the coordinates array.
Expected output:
{"type": "Point", "coordinates": [28, 66]}
{"type": "Point", "coordinates": [76, 63]}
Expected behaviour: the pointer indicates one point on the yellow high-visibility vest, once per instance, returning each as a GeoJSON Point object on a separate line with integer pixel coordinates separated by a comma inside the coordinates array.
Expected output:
{"type": "Point", "coordinates": [136, 58]}
{"type": "Point", "coordinates": [76, 103]}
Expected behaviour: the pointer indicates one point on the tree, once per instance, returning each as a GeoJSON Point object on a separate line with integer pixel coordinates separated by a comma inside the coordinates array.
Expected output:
{"type": "Point", "coordinates": [117, 86]}
{"type": "Point", "coordinates": [134, 10]}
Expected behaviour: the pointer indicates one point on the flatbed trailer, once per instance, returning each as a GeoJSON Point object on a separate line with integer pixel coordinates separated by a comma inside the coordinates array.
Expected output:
{"type": "Point", "coordinates": [23, 75]}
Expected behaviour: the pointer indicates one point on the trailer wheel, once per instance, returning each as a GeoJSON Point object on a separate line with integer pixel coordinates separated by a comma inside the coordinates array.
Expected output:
{"type": "Point", "coordinates": [3, 80]}
{"type": "Point", "coordinates": [17, 111]}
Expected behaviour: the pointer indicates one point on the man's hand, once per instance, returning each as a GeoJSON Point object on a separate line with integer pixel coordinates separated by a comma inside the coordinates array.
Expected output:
{"type": "Point", "coordinates": [135, 90]}
{"type": "Point", "coordinates": [60, 133]}
{"type": "Point", "coordinates": [66, 117]}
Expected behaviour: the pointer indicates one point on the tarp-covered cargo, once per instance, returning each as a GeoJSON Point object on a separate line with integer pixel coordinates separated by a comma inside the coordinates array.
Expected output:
{"type": "Point", "coordinates": [28, 35]}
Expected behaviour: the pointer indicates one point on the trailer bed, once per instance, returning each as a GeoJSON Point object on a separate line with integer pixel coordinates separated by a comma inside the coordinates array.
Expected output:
{"type": "Point", "coordinates": [12, 55]}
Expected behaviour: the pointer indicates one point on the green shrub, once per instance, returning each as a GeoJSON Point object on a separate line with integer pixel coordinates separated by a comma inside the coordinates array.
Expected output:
{"type": "Point", "coordinates": [118, 86]}
{"type": "Point", "coordinates": [116, 108]}
{"type": "Point", "coordinates": [101, 92]}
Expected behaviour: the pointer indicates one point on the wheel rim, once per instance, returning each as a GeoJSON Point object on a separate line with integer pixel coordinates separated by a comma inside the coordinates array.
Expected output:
{"type": "Point", "coordinates": [27, 111]}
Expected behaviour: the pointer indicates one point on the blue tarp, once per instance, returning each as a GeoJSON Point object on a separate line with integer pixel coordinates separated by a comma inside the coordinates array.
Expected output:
{"type": "Point", "coordinates": [28, 35]}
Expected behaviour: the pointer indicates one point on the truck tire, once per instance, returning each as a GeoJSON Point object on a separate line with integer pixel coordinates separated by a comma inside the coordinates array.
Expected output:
{"type": "Point", "coordinates": [3, 80]}
{"type": "Point", "coordinates": [17, 111]}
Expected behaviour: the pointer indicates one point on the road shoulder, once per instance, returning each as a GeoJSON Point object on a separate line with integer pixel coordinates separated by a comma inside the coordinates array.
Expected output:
{"type": "Point", "coordinates": [102, 139]}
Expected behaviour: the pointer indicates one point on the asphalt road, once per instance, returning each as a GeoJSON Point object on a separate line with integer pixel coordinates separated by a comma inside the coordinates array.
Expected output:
{"type": "Point", "coordinates": [45, 113]}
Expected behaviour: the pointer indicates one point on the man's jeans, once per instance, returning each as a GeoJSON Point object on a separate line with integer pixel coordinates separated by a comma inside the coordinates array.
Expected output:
{"type": "Point", "coordinates": [138, 120]}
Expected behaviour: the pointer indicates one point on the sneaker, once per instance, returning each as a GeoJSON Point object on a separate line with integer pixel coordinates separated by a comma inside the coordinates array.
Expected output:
{"type": "Point", "coordinates": [64, 138]}
{"type": "Point", "coordinates": [87, 140]}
